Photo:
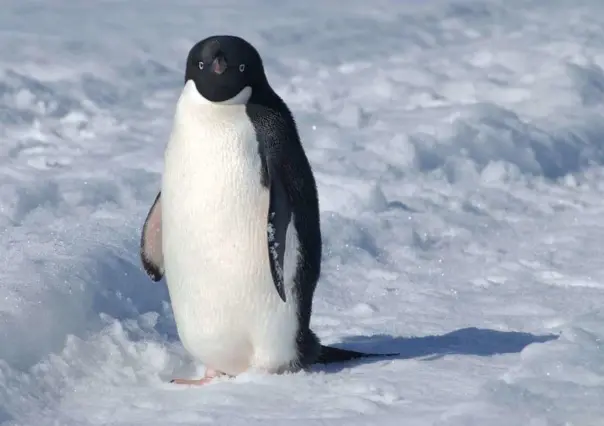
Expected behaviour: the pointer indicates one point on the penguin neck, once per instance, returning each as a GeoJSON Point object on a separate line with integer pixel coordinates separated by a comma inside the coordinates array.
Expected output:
{"type": "Point", "coordinates": [191, 95]}
{"type": "Point", "coordinates": [263, 95]}
{"type": "Point", "coordinates": [193, 107]}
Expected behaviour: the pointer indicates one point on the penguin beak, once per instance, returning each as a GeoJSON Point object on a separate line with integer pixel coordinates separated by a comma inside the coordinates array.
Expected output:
{"type": "Point", "coordinates": [219, 65]}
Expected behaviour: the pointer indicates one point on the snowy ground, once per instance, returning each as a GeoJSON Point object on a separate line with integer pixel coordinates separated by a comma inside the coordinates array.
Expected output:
{"type": "Point", "coordinates": [458, 147]}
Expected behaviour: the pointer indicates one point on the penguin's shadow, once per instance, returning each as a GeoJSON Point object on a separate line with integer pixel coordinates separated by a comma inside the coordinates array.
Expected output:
{"type": "Point", "coordinates": [465, 341]}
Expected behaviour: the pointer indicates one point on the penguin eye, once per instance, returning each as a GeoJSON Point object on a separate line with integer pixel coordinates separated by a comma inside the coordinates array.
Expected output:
{"type": "Point", "coordinates": [200, 65]}
{"type": "Point", "coordinates": [241, 67]}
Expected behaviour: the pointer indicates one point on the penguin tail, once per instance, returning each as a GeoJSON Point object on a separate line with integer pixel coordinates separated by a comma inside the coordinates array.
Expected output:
{"type": "Point", "coordinates": [330, 355]}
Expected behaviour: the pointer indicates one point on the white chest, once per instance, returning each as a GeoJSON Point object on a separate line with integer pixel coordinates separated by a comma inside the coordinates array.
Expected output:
{"type": "Point", "coordinates": [212, 176]}
{"type": "Point", "coordinates": [214, 211]}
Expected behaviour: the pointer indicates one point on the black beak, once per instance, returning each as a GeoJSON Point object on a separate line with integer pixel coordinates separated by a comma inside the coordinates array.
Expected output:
{"type": "Point", "coordinates": [219, 65]}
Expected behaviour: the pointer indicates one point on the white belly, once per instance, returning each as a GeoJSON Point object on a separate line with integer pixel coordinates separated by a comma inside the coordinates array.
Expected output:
{"type": "Point", "coordinates": [214, 208]}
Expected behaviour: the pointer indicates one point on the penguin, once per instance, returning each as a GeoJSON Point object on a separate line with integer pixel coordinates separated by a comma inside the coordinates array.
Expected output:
{"type": "Point", "coordinates": [235, 227]}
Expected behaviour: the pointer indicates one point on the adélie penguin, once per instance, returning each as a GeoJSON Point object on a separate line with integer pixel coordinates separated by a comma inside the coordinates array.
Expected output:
{"type": "Point", "coordinates": [235, 228]}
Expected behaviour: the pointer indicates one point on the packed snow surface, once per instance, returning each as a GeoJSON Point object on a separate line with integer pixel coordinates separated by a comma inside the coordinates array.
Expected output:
{"type": "Point", "coordinates": [458, 147]}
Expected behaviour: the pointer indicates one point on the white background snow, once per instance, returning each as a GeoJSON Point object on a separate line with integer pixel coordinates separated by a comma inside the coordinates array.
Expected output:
{"type": "Point", "coordinates": [458, 147]}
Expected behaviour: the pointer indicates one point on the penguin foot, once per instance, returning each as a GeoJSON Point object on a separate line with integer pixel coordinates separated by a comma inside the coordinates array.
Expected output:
{"type": "Point", "coordinates": [208, 377]}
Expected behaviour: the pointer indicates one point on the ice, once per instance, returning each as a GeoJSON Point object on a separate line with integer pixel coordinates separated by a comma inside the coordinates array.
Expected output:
{"type": "Point", "coordinates": [457, 146]}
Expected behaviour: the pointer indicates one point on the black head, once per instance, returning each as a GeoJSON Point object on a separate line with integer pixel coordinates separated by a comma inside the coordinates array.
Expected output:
{"type": "Point", "coordinates": [223, 66]}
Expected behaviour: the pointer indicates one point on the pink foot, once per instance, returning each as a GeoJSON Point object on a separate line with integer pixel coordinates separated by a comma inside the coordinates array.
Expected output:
{"type": "Point", "coordinates": [208, 377]}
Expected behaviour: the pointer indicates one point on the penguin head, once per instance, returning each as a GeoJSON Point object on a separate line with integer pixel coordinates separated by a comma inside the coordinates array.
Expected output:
{"type": "Point", "coordinates": [225, 69]}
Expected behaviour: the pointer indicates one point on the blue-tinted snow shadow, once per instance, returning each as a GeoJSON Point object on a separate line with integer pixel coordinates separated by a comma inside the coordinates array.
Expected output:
{"type": "Point", "coordinates": [465, 341]}
{"type": "Point", "coordinates": [126, 291]}
{"type": "Point", "coordinates": [5, 417]}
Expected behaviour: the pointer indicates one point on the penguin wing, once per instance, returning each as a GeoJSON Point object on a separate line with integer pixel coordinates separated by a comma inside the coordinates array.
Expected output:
{"type": "Point", "coordinates": [279, 215]}
{"type": "Point", "coordinates": [151, 243]}
{"type": "Point", "coordinates": [287, 174]}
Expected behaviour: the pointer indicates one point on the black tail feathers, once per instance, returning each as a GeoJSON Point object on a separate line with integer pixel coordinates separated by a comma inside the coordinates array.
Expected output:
{"type": "Point", "coordinates": [330, 355]}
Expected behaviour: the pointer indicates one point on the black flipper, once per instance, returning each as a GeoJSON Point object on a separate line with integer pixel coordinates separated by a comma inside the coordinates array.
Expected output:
{"type": "Point", "coordinates": [330, 355]}
{"type": "Point", "coordinates": [151, 252]}
{"type": "Point", "coordinates": [279, 215]}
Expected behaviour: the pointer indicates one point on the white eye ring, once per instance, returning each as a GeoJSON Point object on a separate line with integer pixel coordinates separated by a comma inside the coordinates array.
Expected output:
{"type": "Point", "coordinates": [241, 67]}
{"type": "Point", "coordinates": [200, 65]}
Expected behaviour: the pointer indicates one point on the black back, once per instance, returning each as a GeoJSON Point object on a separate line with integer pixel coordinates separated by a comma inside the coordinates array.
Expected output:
{"type": "Point", "coordinates": [280, 143]}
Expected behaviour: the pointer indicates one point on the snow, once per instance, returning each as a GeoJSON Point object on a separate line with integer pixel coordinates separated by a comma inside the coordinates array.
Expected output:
{"type": "Point", "coordinates": [457, 146]}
